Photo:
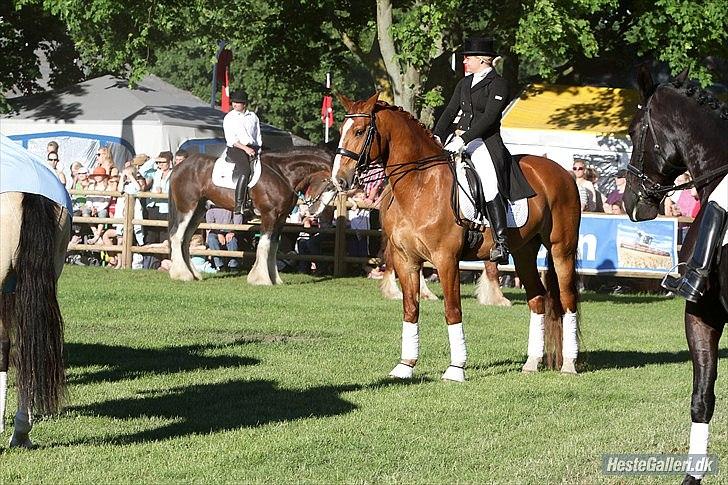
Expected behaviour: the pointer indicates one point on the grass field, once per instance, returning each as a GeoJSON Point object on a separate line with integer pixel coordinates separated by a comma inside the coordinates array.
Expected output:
{"type": "Point", "coordinates": [218, 381]}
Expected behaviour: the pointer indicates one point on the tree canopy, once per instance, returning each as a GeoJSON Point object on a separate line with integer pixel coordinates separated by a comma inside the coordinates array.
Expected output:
{"type": "Point", "coordinates": [402, 48]}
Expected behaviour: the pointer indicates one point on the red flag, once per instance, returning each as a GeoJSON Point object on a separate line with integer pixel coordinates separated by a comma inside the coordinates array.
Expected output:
{"type": "Point", "coordinates": [225, 95]}
{"type": "Point", "coordinates": [223, 73]}
{"type": "Point", "coordinates": [327, 111]}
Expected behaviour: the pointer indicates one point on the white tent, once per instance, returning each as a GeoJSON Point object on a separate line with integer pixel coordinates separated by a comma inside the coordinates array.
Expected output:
{"type": "Point", "coordinates": [150, 118]}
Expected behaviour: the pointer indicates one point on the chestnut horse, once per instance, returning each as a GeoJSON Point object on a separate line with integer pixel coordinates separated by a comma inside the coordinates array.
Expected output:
{"type": "Point", "coordinates": [420, 224]}
{"type": "Point", "coordinates": [681, 127]}
{"type": "Point", "coordinates": [284, 175]}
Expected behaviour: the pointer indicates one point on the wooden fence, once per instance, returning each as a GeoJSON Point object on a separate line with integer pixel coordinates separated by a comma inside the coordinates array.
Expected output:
{"type": "Point", "coordinates": [339, 258]}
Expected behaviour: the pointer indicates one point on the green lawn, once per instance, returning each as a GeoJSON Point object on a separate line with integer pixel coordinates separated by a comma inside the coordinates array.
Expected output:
{"type": "Point", "coordinates": [218, 381]}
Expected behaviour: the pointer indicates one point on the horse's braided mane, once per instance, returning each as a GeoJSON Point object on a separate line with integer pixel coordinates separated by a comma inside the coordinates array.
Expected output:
{"type": "Point", "coordinates": [383, 105]}
{"type": "Point", "coordinates": [704, 98]}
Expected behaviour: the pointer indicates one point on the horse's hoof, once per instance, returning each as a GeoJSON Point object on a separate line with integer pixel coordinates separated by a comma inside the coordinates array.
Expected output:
{"type": "Point", "coordinates": [18, 440]}
{"type": "Point", "coordinates": [691, 480]}
{"type": "Point", "coordinates": [429, 296]}
{"type": "Point", "coordinates": [402, 371]}
{"type": "Point", "coordinates": [456, 374]}
{"type": "Point", "coordinates": [569, 366]}
{"type": "Point", "coordinates": [531, 365]}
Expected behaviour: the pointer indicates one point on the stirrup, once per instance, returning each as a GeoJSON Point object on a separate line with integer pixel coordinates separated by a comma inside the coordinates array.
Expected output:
{"type": "Point", "coordinates": [681, 286]}
{"type": "Point", "coordinates": [499, 254]}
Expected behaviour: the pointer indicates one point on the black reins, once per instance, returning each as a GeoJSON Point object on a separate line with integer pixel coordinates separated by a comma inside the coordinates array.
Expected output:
{"type": "Point", "coordinates": [364, 161]}
{"type": "Point", "coordinates": [649, 188]}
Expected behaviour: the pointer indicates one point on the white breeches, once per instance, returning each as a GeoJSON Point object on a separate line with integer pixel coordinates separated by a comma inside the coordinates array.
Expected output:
{"type": "Point", "coordinates": [480, 156]}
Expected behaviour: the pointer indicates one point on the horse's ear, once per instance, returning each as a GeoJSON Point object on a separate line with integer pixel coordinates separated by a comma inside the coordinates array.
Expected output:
{"type": "Point", "coordinates": [371, 102]}
{"type": "Point", "coordinates": [682, 77]}
{"type": "Point", "coordinates": [645, 82]}
{"type": "Point", "coordinates": [346, 102]}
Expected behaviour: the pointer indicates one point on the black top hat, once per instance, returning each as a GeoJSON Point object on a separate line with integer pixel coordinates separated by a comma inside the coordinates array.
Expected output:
{"type": "Point", "coordinates": [479, 46]}
{"type": "Point", "coordinates": [239, 96]}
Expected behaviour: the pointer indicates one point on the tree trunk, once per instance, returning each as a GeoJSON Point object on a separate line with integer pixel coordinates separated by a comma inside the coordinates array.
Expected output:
{"type": "Point", "coordinates": [405, 82]}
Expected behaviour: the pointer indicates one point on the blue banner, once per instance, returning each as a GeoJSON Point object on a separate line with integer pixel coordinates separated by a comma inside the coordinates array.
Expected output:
{"type": "Point", "coordinates": [613, 244]}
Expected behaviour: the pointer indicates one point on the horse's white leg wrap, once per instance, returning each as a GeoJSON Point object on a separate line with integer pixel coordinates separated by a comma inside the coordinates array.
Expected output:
{"type": "Point", "coordinates": [535, 343]}
{"type": "Point", "coordinates": [259, 273]}
{"type": "Point", "coordinates": [21, 428]}
{"type": "Point", "coordinates": [458, 353]}
{"type": "Point", "coordinates": [410, 351]}
{"type": "Point", "coordinates": [3, 394]}
{"type": "Point", "coordinates": [699, 434]}
{"type": "Point", "coordinates": [570, 342]}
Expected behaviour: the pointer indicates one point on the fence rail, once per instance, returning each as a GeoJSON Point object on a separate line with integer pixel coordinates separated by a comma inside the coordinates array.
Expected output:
{"type": "Point", "coordinates": [340, 259]}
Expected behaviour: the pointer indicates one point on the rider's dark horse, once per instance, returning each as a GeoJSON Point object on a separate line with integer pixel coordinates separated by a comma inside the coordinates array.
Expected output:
{"type": "Point", "coordinates": [680, 127]}
{"type": "Point", "coordinates": [284, 175]}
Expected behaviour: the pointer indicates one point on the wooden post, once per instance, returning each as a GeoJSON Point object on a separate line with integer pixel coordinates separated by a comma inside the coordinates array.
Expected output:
{"type": "Point", "coordinates": [342, 219]}
{"type": "Point", "coordinates": [128, 239]}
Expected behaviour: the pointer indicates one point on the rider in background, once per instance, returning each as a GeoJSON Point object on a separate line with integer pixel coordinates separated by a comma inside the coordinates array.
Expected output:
{"type": "Point", "coordinates": [475, 112]}
{"type": "Point", "coordinates": [243, 138]}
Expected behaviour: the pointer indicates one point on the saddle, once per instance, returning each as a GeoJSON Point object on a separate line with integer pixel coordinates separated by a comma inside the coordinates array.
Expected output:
{"type": "Point", "coordinates": [224, 175]}
{"type": "Point", "coordinates": [468, 201]}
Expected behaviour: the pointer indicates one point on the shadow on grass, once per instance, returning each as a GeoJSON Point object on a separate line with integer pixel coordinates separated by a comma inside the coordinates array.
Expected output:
{"type": "Point", "coordinates": [210, 408]}
{"type": "Point", "coordinates": [123, 362]}
{"type": "Point", "coordinates": [625, 359]}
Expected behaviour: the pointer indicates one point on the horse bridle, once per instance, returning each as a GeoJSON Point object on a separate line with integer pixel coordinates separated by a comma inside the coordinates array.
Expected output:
{"type": "Point", "coordinates": [649, 189]}
{"type": "Point", "coordinates": [363, 160]}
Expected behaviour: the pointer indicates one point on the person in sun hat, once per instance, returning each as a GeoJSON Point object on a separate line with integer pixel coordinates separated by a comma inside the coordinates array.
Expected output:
{"type": "Point", "coordinates": [472, 118]}
{"type": "Point", "coordinates": [243, 139]}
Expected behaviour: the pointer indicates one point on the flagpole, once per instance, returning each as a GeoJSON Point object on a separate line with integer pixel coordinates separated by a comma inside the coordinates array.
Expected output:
{"type": "Point", "coordinates": [328, 90]}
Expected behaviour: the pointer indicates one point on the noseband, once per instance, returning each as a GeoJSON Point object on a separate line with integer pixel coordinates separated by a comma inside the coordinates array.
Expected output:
{"type": "Point", "coordinates": [363, 160]}
{"type": "Point", "coordinates": [648, 188]}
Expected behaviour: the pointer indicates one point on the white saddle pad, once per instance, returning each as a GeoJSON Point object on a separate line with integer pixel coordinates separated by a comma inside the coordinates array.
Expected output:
{"type": "Point", "coordinates": [222, 173]}
{"type": "Point", "coordinates": [516, 211]}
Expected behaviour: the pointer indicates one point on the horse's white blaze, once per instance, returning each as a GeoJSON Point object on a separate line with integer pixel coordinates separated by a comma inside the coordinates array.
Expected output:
{"type": "Point", "coordinates": [337, 158]}
{"type": "Point", "coordinates": [323, 201]}
{"type": "Point", "coordinates": [259, 273]}
{"type": "Point", "coordinates": [179, 269]}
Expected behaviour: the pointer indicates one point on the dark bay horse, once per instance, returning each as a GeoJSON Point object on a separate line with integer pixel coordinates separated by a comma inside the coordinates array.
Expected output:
{"type": "Point", "coordinates": [33, 240]}
{"type": "Point", "coordinates": [420, 225]}
{"type": "Point", "coordinates": [680, 127]}
{"type": "Point", "coordinates": [284, 175]}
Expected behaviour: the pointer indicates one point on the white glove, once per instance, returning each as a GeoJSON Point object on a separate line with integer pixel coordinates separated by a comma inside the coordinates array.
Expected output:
{"type": "Point", "coordinates": [437, 138]}
{"type": "Point", "coordinates": [455, 145]}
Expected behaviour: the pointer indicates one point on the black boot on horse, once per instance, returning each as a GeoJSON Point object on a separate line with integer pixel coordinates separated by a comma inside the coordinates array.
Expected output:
{"type": "Point", "coordinates": [693, 284]}
{"type": "Point", "coordinates": [496, 210]}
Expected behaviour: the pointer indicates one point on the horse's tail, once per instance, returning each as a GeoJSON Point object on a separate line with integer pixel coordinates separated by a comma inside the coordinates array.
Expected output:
{"type": "Point", "coordinates": [553, 327]}
{"type": "Point", "coordinates": [38, 321]}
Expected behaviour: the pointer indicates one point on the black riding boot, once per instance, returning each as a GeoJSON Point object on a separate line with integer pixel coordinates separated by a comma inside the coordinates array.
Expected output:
{"type": "Point", "coordinates": [241, 194]}
{"type": "Point", "coordinates": [693, 284]}
{"type": "Point", "coordinates": [498, 224]}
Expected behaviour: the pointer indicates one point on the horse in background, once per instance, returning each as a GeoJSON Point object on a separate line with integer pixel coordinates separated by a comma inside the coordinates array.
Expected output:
{"type": "Point", "coordinates": [680, 127]}
{"type": "Point", "coordinates": [284, 174]}
{"type": "Point", "coordinates": [421, 226]}
{"type": "Point", "coordinates": [33, 241]}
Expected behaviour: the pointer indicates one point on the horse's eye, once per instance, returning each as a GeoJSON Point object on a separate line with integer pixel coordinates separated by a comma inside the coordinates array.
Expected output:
{"type": "Point", "coordinates": [359, 132]}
